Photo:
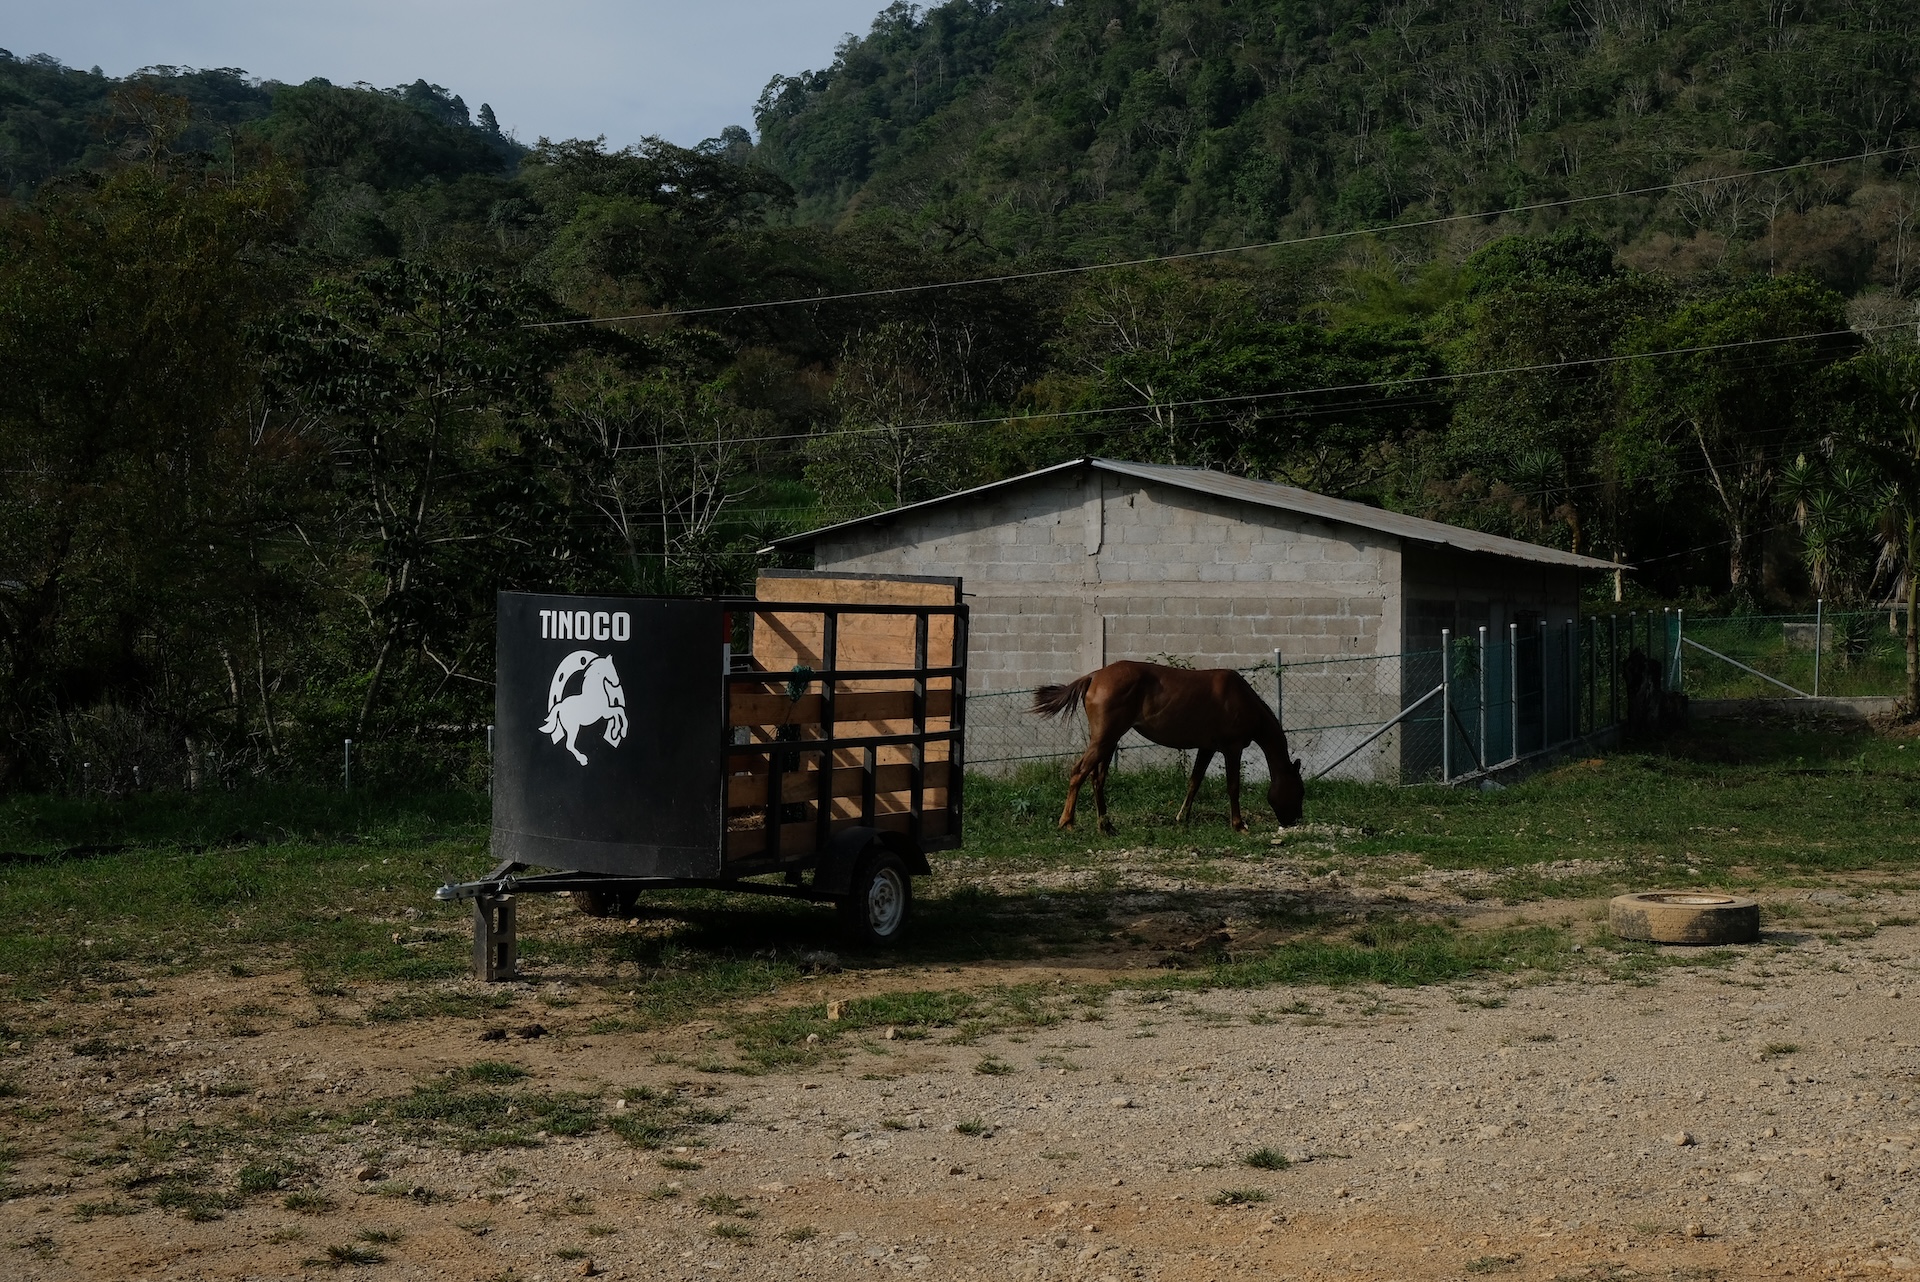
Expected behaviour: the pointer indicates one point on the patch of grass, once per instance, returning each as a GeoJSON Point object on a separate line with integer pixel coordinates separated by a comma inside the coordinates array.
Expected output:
{"type": "Point", "coordinates": [1780, 1048]}
{"type": "Point", "coordinates": [570, 1253]}
{"type": "Point", "coordinates": [289, 1233]}
{"type": "Point", "coordinates": [992, 1066]}
{"type": "Point", "coordinates": [1492, 1264]}
{"type": "Point", "coordinates": [1266, 1159]}
{"type": "Point", "coordinates": [801, 1233]}
{"type": "Point", "coordinates": [256, 1178]}
{"type": "Point", "coordinates": [84, 1211]}
{"type": "Point", "coordinates": [492, 1072]}
{"type": "Point", "coordinates": [895, 1124]}
{"type": "Point", "coordinates": [971, 1126]}
{"type": "Point", "coordinates": [730, 1231]}
{"type": "Point", "coordinates": [661, 1192]}
{"type": "Point", "coordinates": [478, 1120]}
{"type": "Point", "coordinates": [309, 1203]}
{"type": "Point", "coordinates": [380, 1237]}
{"type": "Point", "coordinates": [726, 1204]}
{"type": "Point", "coordinates": [348, 1256]}
{"type": "Point", "coordinates": [1239, 1197]}
{"type": "Point", "coordinates": [601, 1230]}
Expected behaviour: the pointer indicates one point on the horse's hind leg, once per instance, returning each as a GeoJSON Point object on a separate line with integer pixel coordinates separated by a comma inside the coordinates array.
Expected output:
{"type": "Point", "coordinates": [1100, 793]}
{"type": "Point", "coordinates": [1233, 791]}
{"type": "Point", "coordinates": [1201, 760]}
{"type": "Point", "coordinates": [1088, 762]}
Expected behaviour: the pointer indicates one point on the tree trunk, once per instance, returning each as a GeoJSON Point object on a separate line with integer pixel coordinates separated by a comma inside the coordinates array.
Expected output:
{"type": "Point", "coordinates": [1913, 614]}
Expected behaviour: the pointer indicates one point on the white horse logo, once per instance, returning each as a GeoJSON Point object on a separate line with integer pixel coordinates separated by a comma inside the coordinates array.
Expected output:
{"type": "Point", "coordinates": [600, 699]}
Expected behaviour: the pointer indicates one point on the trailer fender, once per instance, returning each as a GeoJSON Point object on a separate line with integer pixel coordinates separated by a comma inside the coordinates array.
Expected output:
{"type": "Point", "coordinates": [835, 874]}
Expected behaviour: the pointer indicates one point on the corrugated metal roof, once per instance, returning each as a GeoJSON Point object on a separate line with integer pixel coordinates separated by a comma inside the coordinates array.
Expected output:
{"type": "Point", "coordinates": [1285, 498]}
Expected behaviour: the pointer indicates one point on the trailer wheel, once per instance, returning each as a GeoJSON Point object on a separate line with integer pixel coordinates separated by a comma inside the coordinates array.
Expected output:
{"type": "Point", "coordinates": [876, 907]}
{"type": "Point", "coordinates": [603, 903]}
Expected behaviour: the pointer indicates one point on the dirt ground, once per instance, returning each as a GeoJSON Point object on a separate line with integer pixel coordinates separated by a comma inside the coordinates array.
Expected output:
{"type": "Point", "coordinates": [1748, 1117]}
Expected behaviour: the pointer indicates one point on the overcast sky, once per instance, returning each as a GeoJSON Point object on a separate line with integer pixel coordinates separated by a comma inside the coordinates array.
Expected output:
{"type": "Point", "coordinates": [563, 68]}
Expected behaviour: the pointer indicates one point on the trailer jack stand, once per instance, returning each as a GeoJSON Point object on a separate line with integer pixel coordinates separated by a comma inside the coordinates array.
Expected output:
{"type": "Point", "coordinates": [496, 938]}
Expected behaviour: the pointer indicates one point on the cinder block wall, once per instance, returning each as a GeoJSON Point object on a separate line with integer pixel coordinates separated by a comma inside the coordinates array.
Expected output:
{"type": "Point", "coordinates": [1072, 572]}
{"type": "Point", "coordinates": [1075, 571]}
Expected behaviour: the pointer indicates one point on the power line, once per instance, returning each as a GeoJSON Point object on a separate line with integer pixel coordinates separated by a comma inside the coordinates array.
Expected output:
{"type": "Point", "coordinates": [1242, 398]}
{"type": "Point", "coordinates": [1318, 238]}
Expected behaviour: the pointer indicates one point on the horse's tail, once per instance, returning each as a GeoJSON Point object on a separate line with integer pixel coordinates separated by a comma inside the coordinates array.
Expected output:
{"type": "Point", "coordinates": [1055, 701]}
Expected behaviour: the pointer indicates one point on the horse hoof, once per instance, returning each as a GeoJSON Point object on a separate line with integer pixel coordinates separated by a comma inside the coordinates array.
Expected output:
{"type": "Point", "coordinates": [1106, 830]}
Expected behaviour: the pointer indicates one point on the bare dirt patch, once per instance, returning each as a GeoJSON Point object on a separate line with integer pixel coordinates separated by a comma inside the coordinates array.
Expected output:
{"type": "Point", "coordinates": [1747, 1114]}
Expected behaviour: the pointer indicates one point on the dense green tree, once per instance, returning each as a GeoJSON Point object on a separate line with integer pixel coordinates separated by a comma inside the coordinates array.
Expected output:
{"type": "Point", "coordinates": [1724, 390]}
{"type": "Point", "coordinates": [141, 471]}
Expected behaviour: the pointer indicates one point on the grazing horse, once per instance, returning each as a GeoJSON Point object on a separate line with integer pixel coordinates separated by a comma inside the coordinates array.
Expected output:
{"type": "Point", "coordinates": [1209, 711]}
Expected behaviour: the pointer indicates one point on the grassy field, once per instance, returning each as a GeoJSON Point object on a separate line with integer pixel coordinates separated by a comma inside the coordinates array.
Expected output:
{"type": "Point", "coordinates": [341, 887]}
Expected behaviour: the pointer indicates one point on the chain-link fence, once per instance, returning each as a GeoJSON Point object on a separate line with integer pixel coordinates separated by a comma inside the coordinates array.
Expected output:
{"type": "Point", "coordinates": [1845, 654]}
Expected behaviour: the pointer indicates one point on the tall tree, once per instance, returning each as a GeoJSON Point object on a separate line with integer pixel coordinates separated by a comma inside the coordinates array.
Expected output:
{"type": "Point", "coordinates": [1723, 390]}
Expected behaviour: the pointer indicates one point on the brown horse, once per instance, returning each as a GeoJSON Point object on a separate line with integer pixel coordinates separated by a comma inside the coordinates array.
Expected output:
{"type": "Point", "coordinates": [1210, 711]}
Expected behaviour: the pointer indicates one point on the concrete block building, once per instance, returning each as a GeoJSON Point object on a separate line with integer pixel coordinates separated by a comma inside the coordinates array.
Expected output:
{"type": "Point", "coordinates": [1075, 566]}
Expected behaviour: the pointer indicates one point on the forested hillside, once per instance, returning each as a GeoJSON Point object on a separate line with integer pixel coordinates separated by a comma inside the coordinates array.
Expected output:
{"type": "Point", "coordinates": [298, 376]}
{"type": "Point", "coordinates": [1109, 126]}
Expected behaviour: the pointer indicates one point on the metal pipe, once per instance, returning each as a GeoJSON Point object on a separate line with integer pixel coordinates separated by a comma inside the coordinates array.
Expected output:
{"type": "Point", "coordinates": [1679, 661]}
{"type": "Point", "coordinates": [1819, 607]}
{"type": "Point", "coordinates": [1513, 692]}
{"type": "Point", "coordinates": [489, 761]}
{"type": "Point", "coordinates": [1446, 704]}
{"type": "Point", "coordinates": [346, 766]}
{"type": "Point", "coordinates": [1279, 691]}
{"type": "Point", "coordinates": [1480, 752]}
{"type": "Point", "coordinates": [1405, 712]}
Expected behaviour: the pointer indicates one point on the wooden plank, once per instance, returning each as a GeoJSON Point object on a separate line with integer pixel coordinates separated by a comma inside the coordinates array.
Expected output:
{"type": "Point", "coordinates": [796, 839]}
{"type": "Point", "coordinates": [833, 590]}
{"type": "Point", "coordinates": [745, 708]}
{"type": "Point", "coordinates": [804, 785]}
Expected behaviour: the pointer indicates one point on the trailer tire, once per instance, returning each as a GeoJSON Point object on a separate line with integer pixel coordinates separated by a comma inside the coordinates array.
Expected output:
{"type": "Point", "coordinates": [874, 911]}
{"type": "Point", "coordinates": [604, 903]}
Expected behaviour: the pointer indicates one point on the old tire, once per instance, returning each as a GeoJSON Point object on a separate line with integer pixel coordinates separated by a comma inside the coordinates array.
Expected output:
{"type": "Point", "coordinates": [1685, 917]}
{"type": "Point", "coordinates": [874, 911]}
{"type": "Point", "coordinates": [603, 903]}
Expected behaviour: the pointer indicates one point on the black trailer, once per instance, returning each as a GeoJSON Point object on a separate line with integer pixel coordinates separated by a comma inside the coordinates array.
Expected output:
{"type": "Point", "coordinates": [807, 741]}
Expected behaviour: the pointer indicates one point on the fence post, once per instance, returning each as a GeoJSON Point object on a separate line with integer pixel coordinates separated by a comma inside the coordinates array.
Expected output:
{"type": "Point", "coordinates": [1819, 608]}
{"type": "Point", "coordinates": [1572, 682]}
{"type": "Point", "coordinates": [1480, 752]}
{"type": "Point", "coordinates": [1613, 668]}
{"type": "Point", "coordinates": [1679, 661]}
{"type": "Point", "coordinates": [1513, 692]}
{"type": "Point", "coordinates": [1446, 704]}
{"type": "Point", "coordinates": [489, 761]}
{"type": "Point", "coordinates": [1279, 691]}
{"type": "Point", "coordinates": [346, 766]}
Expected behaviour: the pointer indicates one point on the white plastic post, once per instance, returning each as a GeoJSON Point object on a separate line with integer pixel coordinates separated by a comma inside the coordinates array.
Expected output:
{"type": "Point", "coordinates": [1679, 661]}
{"type": "Point", "coordinates": [1446, 704]}
{"type": "Point", "coordinates": [346, 766]}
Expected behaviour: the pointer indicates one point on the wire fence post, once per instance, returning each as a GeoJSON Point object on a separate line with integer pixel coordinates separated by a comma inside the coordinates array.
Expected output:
{"type": "Point", "coordinates": [346, 765]}
{"type": "Point", "coordinates": [1480, 755]}
{"type": "Point", "coordinates": [1679, 659]}
{"type": "Point", "coordinates": [1572, 649]}
{"type": "Point", "coordinates": [1279, 691]}
{"type": "Point", "coordinates": [489, 761]}
{"type": "Point", "coordinates": [1446, 704]}
{"type": "Point", "coordinates": [1513, 692]}
{"type": "Point", "coordinates": [1819, 615]}
{"type": "Point", "coordinates": [1613, 668]}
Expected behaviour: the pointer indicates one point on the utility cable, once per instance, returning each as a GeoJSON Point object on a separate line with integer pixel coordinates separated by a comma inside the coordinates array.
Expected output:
{"type": "Point", "coordinates": [893, 291]}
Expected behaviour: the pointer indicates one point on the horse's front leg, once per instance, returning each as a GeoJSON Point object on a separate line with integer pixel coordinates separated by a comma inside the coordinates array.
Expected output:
{"type": "Point", "coordinates": [1201, 760]}
{"type": "Point", "coordinates": [1233, 791]}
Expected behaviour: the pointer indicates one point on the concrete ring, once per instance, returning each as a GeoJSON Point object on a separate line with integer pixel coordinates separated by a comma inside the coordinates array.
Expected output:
{"type": "Point", "coordinates": [1685, 917]}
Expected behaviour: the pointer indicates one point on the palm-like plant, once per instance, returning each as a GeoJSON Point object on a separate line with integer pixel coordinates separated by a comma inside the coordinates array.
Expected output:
{"type": "Point", "coordinates": [1888, 439]}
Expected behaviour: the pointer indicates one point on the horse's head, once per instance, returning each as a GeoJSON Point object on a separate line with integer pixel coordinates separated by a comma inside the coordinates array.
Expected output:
{"type": "Point", "coordinates": [1287, 792]}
